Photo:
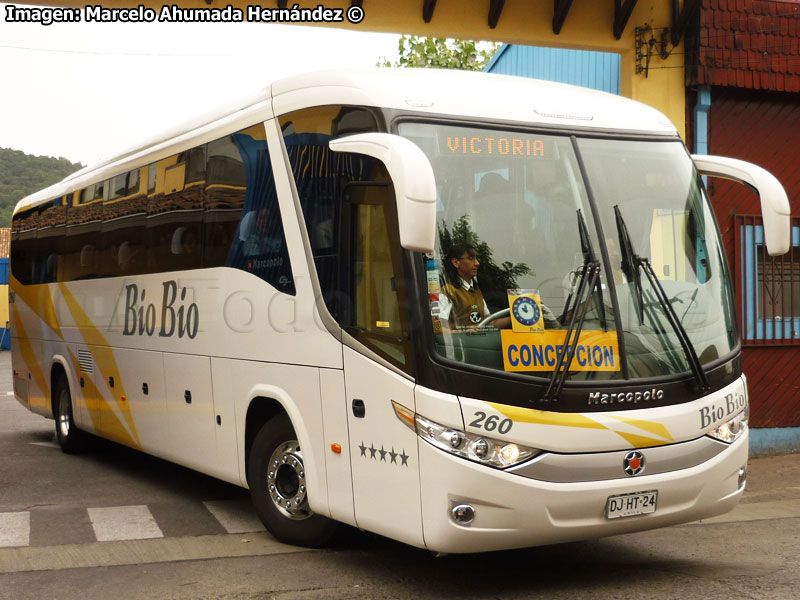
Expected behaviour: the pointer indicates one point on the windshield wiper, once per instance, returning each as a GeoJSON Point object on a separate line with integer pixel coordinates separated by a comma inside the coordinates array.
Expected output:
{"type": "Point", "coordinates": [588, 283]}
{"type": "Point", "coordinates": [631, 263]}
{"type": "Point", "coordinates": [629, 266]}
{"type": "Point", "coordinates": [588, 257]}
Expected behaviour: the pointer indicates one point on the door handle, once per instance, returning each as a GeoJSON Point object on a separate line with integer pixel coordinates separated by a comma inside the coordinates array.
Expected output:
{"type": "Point", "coordinates": [359, 410]}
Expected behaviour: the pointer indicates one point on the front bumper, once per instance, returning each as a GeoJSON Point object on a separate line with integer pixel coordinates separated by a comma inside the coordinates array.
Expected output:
{"type": "Point", "coordinates": [516, 512]}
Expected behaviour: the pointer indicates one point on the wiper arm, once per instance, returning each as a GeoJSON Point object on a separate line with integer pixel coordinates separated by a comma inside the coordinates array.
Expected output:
{"type": "Point", "coordinates": [588, 257]}
{"type": "Point", "coordinates": [588, 284]}
{"type": "Point", "coordinates": [629, 266]}
{"type": "Point", "coordinates": [633, 262]}
{"type": "Point", "coordinates": [589, 278]}
{"type": "Point", "coordinates": [672, 317]}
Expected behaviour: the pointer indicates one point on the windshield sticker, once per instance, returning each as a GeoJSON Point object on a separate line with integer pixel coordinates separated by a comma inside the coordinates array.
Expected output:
{"type": "Point", "coordinates": [526, 311]}
{"type": "Point", "coordinates": [595, 350]}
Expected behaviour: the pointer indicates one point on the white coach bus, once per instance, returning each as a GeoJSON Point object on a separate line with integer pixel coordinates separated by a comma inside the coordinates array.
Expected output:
{"type": "Point", "coordinates": [465, 311]}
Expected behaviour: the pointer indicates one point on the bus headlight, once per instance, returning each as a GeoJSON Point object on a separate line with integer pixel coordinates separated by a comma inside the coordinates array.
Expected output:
{"type": "Point", "coordinates": [732, 430]}
{"type": "Point", "coordinates": [488, 451]}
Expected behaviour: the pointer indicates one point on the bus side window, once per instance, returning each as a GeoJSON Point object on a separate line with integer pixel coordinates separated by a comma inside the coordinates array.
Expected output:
{"type": "Point", "coordinates": [226, 185]}
{"type": "Point", "coordinates": [23, 258]}
{"type": "Point", "coordinates": [50, 239]}
{"type": "Point", "coordinates": [124, 217]}
{"type": "Point", "coordinates": [258, 243]}
{"type": "Point", "coordinates": [174, 212]}
{"type": "Point", "coordinates": [371, 275]}
{"type": "Point", "coordinates": [84, 233]}
{"type": "Point", "coordinates": [320, 174]}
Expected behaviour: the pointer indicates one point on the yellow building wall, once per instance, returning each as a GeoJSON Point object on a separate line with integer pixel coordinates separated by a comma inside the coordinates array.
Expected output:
{"type": "Point", "coordinates": [589, 25]}
{"type": "Point", "coordinates": [3, 305]}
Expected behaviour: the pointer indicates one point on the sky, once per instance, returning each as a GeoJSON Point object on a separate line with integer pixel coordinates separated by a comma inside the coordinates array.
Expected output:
{"type": "Point", "coordinates": [87, 90]}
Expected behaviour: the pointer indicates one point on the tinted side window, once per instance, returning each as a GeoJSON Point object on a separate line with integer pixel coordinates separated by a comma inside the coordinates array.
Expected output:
{"type": "Point", "coordinates": [50, 240]}
{"type": "Point", "coordinates": [124, 227]}
{"type": "Point", "coordinates": [174, 215]}
{"type": "Point", "coordinates": [320, 176]}
{"type": "Point", "coordinates": [23, 245]}
{"type": "Point", "coordinates": [226, 185]}
{"type": "Point", "coordinates": [83, 244]}
{"type": "Point", "coordinates": [258, 244]}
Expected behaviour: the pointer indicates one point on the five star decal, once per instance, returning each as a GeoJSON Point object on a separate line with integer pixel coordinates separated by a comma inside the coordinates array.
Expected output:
{"type": "Point", "coordinates": [372, 452]}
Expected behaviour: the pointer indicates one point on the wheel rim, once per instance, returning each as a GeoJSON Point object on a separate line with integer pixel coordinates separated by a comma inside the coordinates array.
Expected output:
{"type": "Point", "coordinates": [64, 414]}
{"type": "Point", "coordinates": [286, 481]}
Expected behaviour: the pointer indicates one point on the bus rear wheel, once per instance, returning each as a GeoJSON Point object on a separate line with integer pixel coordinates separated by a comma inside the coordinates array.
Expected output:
{"type": "Point", "coordinates": [71, 439]}
{"type": "Point", "coordinates": [277, 480]}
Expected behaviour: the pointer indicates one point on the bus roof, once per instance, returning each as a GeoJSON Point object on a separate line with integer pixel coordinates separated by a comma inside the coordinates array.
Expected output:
{"type": "Point", "coordinates": [483, 96]}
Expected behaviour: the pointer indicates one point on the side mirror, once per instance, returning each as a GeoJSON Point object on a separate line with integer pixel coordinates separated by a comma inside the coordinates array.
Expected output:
{"type": "Point", "coordinates": [414, 183]}
{"type": "Point", "coordinates": [775, 209]}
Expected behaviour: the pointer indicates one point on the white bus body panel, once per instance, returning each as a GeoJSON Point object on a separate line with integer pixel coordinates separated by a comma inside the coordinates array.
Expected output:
{"type": "Point", "coordinates": [612, 430]}
{"type": "Point", "coordinates": [383, 451]}
{"type": "Point", "coordinates": [337, 465]}
{"type": "Point", "coordinates": [150, 409]}
{"type": "Point", "coordinates": [297, 390]}
{"type": "Point", "coordinates": [516, 512]}
{"type": "Point", "coordinates": [478, 95]}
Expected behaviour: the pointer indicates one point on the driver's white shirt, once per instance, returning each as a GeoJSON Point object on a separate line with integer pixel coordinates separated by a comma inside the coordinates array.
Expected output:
{"type": "Point", "coordinates": [445, 306]}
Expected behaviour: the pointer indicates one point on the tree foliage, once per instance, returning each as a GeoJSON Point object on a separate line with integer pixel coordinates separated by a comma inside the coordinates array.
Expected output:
{"type": "Point", "coordinates": [441, 53]}
{"type": "Point", "coordinates": [494, 279]}
{"type": "Point", "coordinates": [22, 174]}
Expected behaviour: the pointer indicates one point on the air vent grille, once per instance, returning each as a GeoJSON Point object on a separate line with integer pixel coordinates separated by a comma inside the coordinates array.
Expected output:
{"type": "Point", "coordinates": [85, 361]}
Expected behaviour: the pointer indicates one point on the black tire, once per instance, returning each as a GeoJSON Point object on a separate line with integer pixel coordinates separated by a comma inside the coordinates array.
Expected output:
{"type": "Point", "coordinates": [71, 439]}
{"type": "Point", "coordinates": [277, 487]}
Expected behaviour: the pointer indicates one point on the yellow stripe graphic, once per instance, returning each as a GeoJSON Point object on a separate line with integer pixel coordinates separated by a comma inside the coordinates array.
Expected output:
{"type": "Point", "coordinates": [640, 441]}
{"type": "Point", "coordinates": [542, 417]}
{"type": "Point", "coordinates": [107, 364]}
{"type": "Point", "coordinates": [650, 426]}
{"type": "Point", "coordinates": [29, 357]}
{"type": "Point", "coordinates": [39, 300]}
{"type": "Point", "coordinates": [102, 414]}
{"type": "Point", "coordinates": [579, 420]}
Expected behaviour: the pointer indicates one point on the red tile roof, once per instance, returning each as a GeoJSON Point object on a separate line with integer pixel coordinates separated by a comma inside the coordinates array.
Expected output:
{"type": "Point", "coordinates": [751, 44]}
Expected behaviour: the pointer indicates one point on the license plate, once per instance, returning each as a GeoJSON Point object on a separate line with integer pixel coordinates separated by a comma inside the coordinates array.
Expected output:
{"type": "Point", "coordinates": [628, 505]}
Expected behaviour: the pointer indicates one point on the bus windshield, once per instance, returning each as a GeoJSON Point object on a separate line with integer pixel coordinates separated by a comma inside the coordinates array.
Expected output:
{"type": "Point", "coordinates": [602, 251]}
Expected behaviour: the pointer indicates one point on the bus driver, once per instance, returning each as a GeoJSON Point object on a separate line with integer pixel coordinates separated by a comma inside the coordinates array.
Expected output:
{"type": "Point", "coordinates": [462, 305]}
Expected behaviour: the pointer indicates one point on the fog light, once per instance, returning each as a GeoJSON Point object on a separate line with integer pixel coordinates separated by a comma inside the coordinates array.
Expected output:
{"type": "Point", "coordinates": [742, 477]}
{"type": "Point", "coordinates": [463, 514]}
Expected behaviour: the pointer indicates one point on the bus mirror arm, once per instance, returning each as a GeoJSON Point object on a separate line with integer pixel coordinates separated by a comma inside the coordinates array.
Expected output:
{"type": "Point", "coordinates": [775, 209]}
{"type": "Point", "coordinates": [414, 183]}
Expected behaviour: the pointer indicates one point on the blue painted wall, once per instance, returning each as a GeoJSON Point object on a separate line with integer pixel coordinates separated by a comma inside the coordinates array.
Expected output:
{"type": "Point", "coordinates": [5, 334]}
{"type": "Point", "coordinates": [596, 70]}
{"type": "Point", "coordinates": [774, 440]}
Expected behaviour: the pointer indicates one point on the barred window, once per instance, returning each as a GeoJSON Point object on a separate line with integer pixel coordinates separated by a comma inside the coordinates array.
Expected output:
{"type": "Point", "coordinates": [768, 286]}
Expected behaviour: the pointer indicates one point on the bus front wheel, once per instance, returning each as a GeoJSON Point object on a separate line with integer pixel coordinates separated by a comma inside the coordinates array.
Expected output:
{"type": "Point", "coordinates": [277, 480]}
{"type": "Point", "coordinates": [71, 439]}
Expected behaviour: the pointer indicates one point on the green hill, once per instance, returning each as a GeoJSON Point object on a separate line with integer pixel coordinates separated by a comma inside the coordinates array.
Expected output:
{"type": "Point", "coordinates": [22, 174]}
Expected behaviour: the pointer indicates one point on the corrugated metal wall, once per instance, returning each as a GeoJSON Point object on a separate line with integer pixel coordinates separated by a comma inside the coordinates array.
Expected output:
{"type": "Point", "coordinates": [763, 128]}
{"type": "Point", "coordinates": [596, 70]}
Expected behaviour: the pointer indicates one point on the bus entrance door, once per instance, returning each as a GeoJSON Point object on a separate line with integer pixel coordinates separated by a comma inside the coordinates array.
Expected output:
{"type": "Point", "coordinates": [383, 450]}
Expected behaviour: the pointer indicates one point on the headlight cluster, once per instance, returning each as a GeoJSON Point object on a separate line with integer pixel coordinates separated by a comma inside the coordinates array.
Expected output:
{"type": "Point", "coordinates": [731, 431]}
{"type": "Point", "coordinates": [485, 450]}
